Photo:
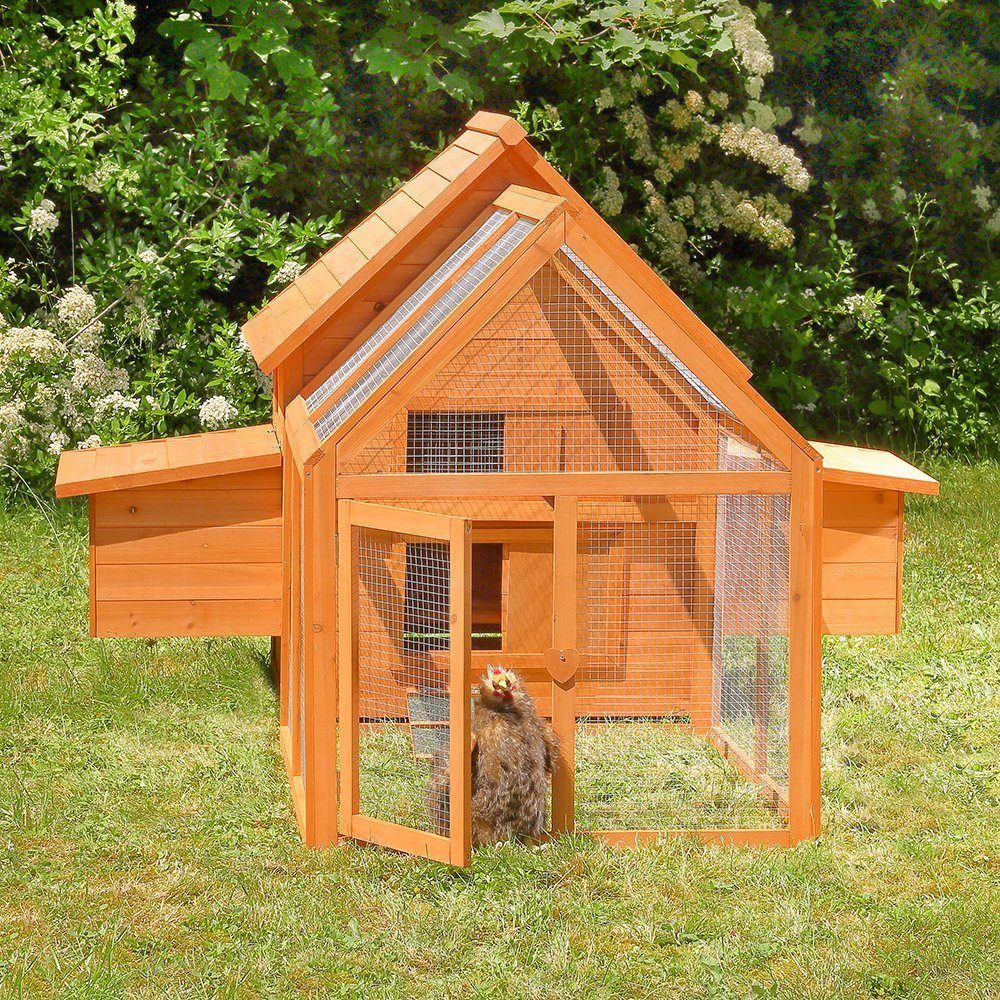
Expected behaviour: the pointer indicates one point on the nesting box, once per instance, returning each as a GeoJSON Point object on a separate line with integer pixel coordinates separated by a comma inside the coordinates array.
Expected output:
{"type": "Point", "coordinates": [498, 436]}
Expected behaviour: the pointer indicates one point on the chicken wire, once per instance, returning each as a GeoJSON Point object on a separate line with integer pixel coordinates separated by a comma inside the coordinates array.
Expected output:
{"type": "Point", "coordinates": [381, 334]}
{"type": "Point", "coordinates": [370, 378]}
{"type": "Point", "coordinates": [682, 632]}
{"type": "Point", "coordinates": [403, 639]}
{"type": "Point", "coordinates": [569, 379]}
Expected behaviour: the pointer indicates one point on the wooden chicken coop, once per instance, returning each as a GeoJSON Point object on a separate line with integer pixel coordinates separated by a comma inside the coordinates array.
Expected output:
{"type": "Point", "coordinates": [498, 436]}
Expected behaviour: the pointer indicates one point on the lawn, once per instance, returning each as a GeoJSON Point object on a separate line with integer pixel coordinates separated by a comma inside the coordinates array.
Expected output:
{"type": "Point", "coordinates": [148, 848]}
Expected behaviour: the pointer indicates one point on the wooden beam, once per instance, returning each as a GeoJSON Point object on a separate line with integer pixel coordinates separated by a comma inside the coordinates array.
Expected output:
{"type": "Point", "coordinates": [564, 637]}
{"type": "Point", "coordinates": [347, 670]}
{"type": "Point", "coordinates": [460, 671]}
{"type": "Point", "coordinates": [529, 484]}
{"type": "Point", "coordinates": [804, 647]}
{"type": "Point", "coordinates": [731, 838]}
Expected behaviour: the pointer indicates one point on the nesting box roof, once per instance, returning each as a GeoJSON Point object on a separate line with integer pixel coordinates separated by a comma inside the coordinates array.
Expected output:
{"type": "Point", "coordinates": [168, 460]}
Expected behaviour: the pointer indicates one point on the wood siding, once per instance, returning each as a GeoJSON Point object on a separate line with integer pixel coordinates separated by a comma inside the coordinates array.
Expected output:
{"type": "Point", "coordinates": [862, 554]}
{"type": "Point", "coordinates": [196, 558]}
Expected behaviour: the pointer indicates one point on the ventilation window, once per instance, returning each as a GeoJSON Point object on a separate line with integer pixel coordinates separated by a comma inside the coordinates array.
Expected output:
{"type": "Point", "coordinates": [457, 441]}
{"type": "Point", "coordinates": [426, 607]}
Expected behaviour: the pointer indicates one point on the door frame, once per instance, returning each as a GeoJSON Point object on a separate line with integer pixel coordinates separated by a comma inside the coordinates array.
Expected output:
{"type": "Point", "coordinates": [456, 848]}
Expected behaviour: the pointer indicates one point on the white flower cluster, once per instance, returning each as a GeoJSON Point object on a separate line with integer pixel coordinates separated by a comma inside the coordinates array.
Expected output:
{"type": "Point", "coordinates": [608, 198]}
{"type": "Point", "coordinates": [38, 345]}
{"type": "Point", "coordinates": [57, 442]}
{"type": "Point", "coordinates": [216, 413]}
{"type": "Point", "coordinates": [43, 219]}
{"type": "Point", "coordinates": [98, 178]}
{"type": "Point", "coordinates": [114, 403]}
{"type": "Point", "coordinates": [76, 308]}
{"type": "Point", "coordinates": [750, 45]}
{"type": "Point", "coordinates": [766, 149]}
{"type": "Point", "coordinates": [870, 210]}
{"type": "Point", "coordinates": [864, 308]}
{"type": "Point", "coordinates": [93, 376]}
{"type": "Point", "coordinates": [993, 223]}
{"type": "Point", "coordinates": [148, 256]}
{"type": "Point", "coordinates": [288, 271]}
{"type": "Point", "coordinates": [93, 441]}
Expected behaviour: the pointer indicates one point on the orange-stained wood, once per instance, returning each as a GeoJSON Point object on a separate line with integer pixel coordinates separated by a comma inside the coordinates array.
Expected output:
{"type": "Point", "coordinates": [137, 618]}
{"type": "Point", "coordinates": [188, 581]}
{"type": "Point", "coordinates": [540, 484]}
{"type": "Point", "coordinates": [153, 508]}
{"type": "Point", "coordinates": [847, 465]}
{"type": "Point", "coordinates": [450, 336]}
{"type": "Point", "coordinates": [322, 587]}
{"type": "Point", "coordinates": [805, 569]}
{"type": "Point", "coordinates": [564, 640]}
{"type": "Point", "coordinates": [171, 460]}
{"type": "Point", "coordinates": [729, 838]}
{"type": "Point", "coordinates": [347, 669]}
{"type": "Point", "coordinates": [459, 675]}
{"type": "Point", "coordinates": [230, 543]}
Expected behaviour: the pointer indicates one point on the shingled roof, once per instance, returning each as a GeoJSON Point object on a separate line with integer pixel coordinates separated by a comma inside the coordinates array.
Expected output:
{"type": "Point", "coordinates": [289, 318]}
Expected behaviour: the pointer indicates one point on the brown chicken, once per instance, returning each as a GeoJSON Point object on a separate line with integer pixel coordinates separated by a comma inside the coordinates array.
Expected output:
{"type": "Point", "coordinates": [513, 755]}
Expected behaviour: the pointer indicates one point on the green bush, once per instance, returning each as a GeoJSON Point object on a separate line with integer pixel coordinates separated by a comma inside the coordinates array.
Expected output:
{"type": "Point", "coordinates": [814, 179]}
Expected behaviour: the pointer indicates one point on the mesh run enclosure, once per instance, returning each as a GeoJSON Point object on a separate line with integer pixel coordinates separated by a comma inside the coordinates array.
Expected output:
{"type": "Point", "coordinates": [563, 378]}
{"type": "Point", "coordinates": [683, 682]}
{"type": "Point", "coordinates": [403, 637]}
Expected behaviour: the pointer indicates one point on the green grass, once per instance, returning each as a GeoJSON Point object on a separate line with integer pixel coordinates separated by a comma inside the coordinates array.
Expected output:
{"type": "Point", "coordinates": [147, 845]}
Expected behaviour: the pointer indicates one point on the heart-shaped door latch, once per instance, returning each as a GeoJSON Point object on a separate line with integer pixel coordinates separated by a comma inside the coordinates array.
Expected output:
{"type": "Point", "coordinates": [561, 663]}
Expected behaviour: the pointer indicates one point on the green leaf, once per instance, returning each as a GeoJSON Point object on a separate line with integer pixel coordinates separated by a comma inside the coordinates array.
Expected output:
{"type": "Point", "coordinates": [879, 407]}
{"type": "Point", "coordinates": [492, 24]}
{"type": "Point", "coordinates": [930, 388]}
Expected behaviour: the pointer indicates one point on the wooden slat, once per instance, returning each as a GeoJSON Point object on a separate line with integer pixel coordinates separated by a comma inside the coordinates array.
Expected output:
{"type": "Point", "coordinates": [529, 484]}
{"type": "Point", "coordinates": [402, 838]}
{"type": "Point", "coordinates": [859, 617]}
{"type": "Point", "coordinates": [188, 618]}
{"type": "Point", "coordinates": [407, 522]}
{"type": "Point", "coordinates": [854, 581]}
{"type": "Point", "coordinates": [871, 545]}
{"type": "Point", "coordinates": [859, 508]}
{"type": "Point", "coordinates": [730, 838]}
{"type": "Point", "coordinates": [181, 508]}
{"type": "Point", "coordinates": [192, 581]}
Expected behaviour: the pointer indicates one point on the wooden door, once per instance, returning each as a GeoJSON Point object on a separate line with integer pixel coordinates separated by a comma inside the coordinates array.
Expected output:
{"type": "Point", "coordinates": [404, 614]}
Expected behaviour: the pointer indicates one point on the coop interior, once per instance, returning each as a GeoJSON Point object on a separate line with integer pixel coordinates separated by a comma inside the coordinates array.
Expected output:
{"type": "Point", "coordinates": [682, 689]}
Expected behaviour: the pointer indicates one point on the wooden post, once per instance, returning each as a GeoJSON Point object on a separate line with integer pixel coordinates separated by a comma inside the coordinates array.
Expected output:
{"type": "Point", "coordinates": [564, 616]}
{"type": "Point", "coordinates": [347, 669]}
{"type": "Point", "coordinates": [804, 648]}
{"type": "Point", "coordinates": [459, 685]}
{"type": "Point", "coordinates": [321, 661]}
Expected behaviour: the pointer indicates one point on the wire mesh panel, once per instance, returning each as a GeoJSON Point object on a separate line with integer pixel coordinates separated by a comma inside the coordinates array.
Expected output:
{"type": "Point", "coordinates": [367, 379]}
{"type": "Point", "coordinates": [564, 377]}
{"type": "Point", "coordinates": [403, 637]}
{"type": "Point", "coordinates": [750, 699]}
{"type": "Point", "coordinates": [663, 632]}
